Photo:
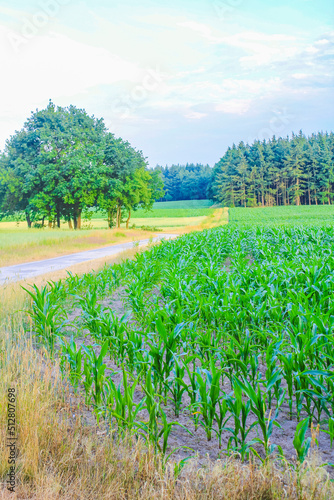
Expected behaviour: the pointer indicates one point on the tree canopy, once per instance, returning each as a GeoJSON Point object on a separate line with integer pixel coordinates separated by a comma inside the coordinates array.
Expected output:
{"type": "Point", "coordinates": [284, 171]}
{"type": "Point", "coordinates": [64, 161]}
{"type": "Point", "coordinates": [185, 182]}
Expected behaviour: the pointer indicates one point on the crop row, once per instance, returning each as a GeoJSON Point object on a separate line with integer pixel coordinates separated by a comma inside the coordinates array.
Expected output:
{"type": "Point", "coordinates": [233, 326]}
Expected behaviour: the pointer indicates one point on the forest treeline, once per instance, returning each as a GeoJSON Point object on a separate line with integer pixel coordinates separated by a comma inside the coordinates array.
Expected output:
{"type": "Point", "coordinates": [284, 171]}
{"type": "Point", "coordinates": [185, 182]}
{"type": "Point", "coordinates": [64, 161]}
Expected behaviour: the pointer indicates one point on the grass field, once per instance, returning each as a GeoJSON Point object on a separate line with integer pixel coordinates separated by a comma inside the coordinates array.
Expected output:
{"type": "Point", "coordinates": [292, 215]}
{"type": "Point", "coordinates": [19, 244]}
{"type": "Point", "coordinates": [26, 245]}
{"type": "Point", "coordinates": [173, 209]}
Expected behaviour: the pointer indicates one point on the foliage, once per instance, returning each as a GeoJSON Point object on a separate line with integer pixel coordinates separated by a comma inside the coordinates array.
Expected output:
{"type": "Point", "coordinates": [64, 161]}
{"type": "Point", "coordinates": [185, 182]}
{"type": "Point", "coordinates": [284, 171]}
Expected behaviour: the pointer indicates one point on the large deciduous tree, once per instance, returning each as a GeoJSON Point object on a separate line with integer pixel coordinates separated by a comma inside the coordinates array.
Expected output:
{"type": "Point", "coordinates": [128, 183]}
{"type": "Point", "coordinates": [63, 161]}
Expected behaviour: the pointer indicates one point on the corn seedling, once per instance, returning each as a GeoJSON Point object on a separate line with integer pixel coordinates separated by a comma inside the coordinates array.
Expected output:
{"type": "Point", "coordinates": [97, 369]}
{"type": "Point", "coordinates": [258, 403]}
{"type": "Point", "coordinates": [239, 412]}
{"type": "Point", "coordinates": [209, 394]}
{"type": "Point", "coordinates": [122, 406]}
{"type": "Point", "coordinates": [72, 358]}
{"type": "Point", "coordinates": [47, 317]}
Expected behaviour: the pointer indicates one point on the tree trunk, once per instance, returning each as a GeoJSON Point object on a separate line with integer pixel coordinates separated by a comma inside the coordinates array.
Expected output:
{"type": "Point", "coordinates": [77, 219]}
{"type": "Point", "coordinates": [58, 220]}
{"type": "Point", "coordinates": [70, 225]}
{"type": "Point", "coordinates": [297, 197]}
{"type": "Point", "coordinates": [118, 219]}
{"type": "Point", "coordinates": [43, 218]}
{"type": "Point", "coordinates": [109, 218]}
{"type": "Point", "coordinates": [285, 202]}
{"type": "Point", "coordinates": [128, 220]}
{"type": "Point", "coordinates": [309, 196]}
{"type": "Point", "coordinates": [50, 223]}
{"type": "Point", "coordinates": [277, 194]}
{"type": "Point", "coordinates": [28, 219]}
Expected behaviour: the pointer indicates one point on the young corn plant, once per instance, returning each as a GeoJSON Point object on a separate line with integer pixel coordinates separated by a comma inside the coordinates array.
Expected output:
{"type": "Point", "coordinates": [222, 418]}
{"type": "Point", "coordinates": [157, 427]}
{"type": "Point", "coordinates": [87, 380]}
{"type": "Point", "coordinates": [192, 388]}
{"type": "Point", "coordinates": [113, 329]}
{"type": "Point", "coordinates": [317, 394]}
{"type": "Point", "coordinates": [47, 317]}
{"type": "Point", "coordinates": [302, 446]}
{"type": "Point", "coordinates": [239, 410]}
{"type": "Point", "coordinates": [72, 358]}
{"type": "Point", "coordinates": [330, 431]}
{"type": "Point", "coordinates": [157, 357]}
{"type": "Point", "coordinates": [208, 386]}
{"type": "Point", "coordinates": [163, 345]}
{"type": "Point", "coordinates": [258, 402]}
{"type": "Point", "coordinates": [135, 291]}
{"type": "Point", "coordinates": [271, 367]}
{"type": "Point", "coordinates": [175, 384]}
{"type": "Point", "coordinates": [98, 369]}
{"type": "Point", "coordinates": [133, 346]}
{"type": "Point", "coordinates": [288, 373]}
{"type": "Point", "coordinates": [121, 406]}
{"type": "Point", "coordinates": [300, 442]}
{"type": "Point", "coordinates": [91, 311]}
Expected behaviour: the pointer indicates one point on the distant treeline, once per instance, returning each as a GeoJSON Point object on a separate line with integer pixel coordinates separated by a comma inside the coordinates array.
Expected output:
{"type": "Point", "coordinates": [285, 171]}
{"type": "Point", "coordinates": [185, 182]}
{"type": "Point", "coordinates": [63, 162]}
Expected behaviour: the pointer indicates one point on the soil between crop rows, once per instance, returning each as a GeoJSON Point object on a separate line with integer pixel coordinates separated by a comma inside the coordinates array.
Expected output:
{"type": "Point", "coordinates": [198, 441]}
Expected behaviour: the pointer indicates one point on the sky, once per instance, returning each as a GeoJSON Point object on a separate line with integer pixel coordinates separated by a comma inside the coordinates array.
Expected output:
{"type": "Point", "coordinates": [180, 80]}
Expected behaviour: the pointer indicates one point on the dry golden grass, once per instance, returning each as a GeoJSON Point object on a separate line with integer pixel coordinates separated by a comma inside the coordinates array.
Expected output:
{"type": "Point", "coordinates": [218, 218]}
{"type": "Point", "coordinates": [18, 246]}
{"type": "Point", "coordinates": [61, 458]}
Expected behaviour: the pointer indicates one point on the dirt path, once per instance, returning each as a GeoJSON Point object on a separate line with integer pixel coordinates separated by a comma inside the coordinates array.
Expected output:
{"type": "Point", "coordinates": [36, 268]}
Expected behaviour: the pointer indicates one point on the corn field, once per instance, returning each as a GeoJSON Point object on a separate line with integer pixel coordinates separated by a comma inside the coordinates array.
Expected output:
{"type": "Point", "coordinates": [223, 344]}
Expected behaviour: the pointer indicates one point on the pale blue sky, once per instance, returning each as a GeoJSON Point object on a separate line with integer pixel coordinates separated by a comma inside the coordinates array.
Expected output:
{"type": "Point", "coordinates": [181, 80]}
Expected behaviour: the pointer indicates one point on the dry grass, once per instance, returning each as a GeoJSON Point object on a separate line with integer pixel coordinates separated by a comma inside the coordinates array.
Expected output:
{"type": "Point", "coordinates": [18, 246]}
{"type": "Point", "coordinates": [218, 218]}
{"type": "Point", "coordinates": [61, 458]}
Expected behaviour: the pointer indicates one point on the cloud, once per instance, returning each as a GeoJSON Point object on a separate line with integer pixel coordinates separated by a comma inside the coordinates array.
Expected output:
{"type": "Point", "coordinates": [300, 76]}
{"type": "Point", "coordinates": [55, 66]}
{"type": "Point", "coordinates": [217, 75]}
{"type": "Point", "coordinates": [203, 29]}
{"type": "Point", "coordinates": [195, 115]}
{"type": "Point", "coordinates": [234, 106]}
